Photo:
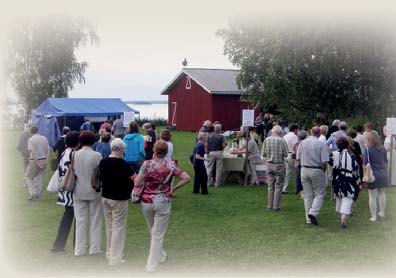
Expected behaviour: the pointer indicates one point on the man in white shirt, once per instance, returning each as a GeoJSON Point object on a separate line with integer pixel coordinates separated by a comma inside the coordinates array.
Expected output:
{"type": "Point", "coordinates": [291, 140]}
{"type": "Point", "coordinates": [359, 137]}
{"type": "Point", "coordinates": [323, 131]}
{"type": "Point", "coordinates": [39, 151]}
{"type": "Point", "coordinates": [313, 157]}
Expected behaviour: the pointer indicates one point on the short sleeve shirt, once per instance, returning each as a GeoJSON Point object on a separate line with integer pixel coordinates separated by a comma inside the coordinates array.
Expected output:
{"type": "Point", "coordinates": [275, 149]}
{"type": "Point", "coordinates": [157, 175]}
{"type": "Point", "coordinates": [312, 152]}
{"type": "Point", "coordinates": [115, 175]}
{"type": "Point", "coordinates": [199, 149]}
{"type": "Point", "coordinates": [169, 155]}
{"type": "Point", "coordinates": [118, 127]}
{"type": "Point", "coordinates": [215, 142]}
{"type": "Point", "coordinates": [291, 140]}
{"type": "Point", "coordinates": [38, 145]}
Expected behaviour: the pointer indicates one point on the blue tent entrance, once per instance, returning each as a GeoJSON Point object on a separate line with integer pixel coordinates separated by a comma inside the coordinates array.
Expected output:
{"type": "Point", "coordinates": [54, 113]}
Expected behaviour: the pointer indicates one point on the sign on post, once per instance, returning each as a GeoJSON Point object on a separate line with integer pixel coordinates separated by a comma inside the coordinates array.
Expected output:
{"type": "Point", "coordinates": [391, 126]}
{"type": "Point", "coordinates": [128, 117]}
{"type": "Point", "coordinates": [247, 117]}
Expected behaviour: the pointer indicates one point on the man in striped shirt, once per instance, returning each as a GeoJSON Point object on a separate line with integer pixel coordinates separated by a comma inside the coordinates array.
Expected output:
{"type": "Point", "coordinates": [275, 151]}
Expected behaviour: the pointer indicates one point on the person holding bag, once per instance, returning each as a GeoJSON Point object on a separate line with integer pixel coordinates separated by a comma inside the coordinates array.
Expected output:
{"type": "Point", "coordinates": [87, 199]}
{"type": "Point", "coordinates": [66, 198]}
{"type": "Point", "coordinates": [156, 176]}
{"type": "Point", "coordinates": [345, 179]}
{"type": "Point", "coordinates": [375, 156]}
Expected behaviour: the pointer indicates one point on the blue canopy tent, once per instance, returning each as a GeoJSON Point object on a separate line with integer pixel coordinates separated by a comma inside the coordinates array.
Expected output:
{"type": "Point", "coordinates": [54, 113]}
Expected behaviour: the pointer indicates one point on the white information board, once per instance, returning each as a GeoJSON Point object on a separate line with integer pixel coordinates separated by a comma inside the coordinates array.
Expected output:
{"type": "Point", "coordinates": [391, 126]}
{"type": "Point", "coordinates": [247, 117]}
{"type": "Point", "coordinates": [128, 117]}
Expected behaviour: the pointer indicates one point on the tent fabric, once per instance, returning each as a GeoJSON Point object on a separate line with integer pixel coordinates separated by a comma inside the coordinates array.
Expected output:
{"type": "Point", "coordinates": [82, 107]}
{"type": "Point", "coordinates": [48, 127]}
{"type": "Point", "coordinates": [45, 116]}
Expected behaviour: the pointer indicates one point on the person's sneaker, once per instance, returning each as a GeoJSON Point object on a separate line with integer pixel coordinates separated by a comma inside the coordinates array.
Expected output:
{"type": "Point", "coordinates": [381, 217]}
{"type": "Point", "coordinates": [372, 219]}
{"type": "Point", "coordinates": [164, 260]}
{"type": "Point", "coordinates": [33, 197]}
{"type": "Point", "coordinates": [313, 219]}
{"type": "Point", "coordinates": [343, 225]}
{"type": "Point", "coordinates": [96, 253]}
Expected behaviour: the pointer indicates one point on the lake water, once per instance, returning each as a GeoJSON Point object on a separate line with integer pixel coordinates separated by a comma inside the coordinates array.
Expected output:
{"type": "Point", "coordinates": [151, 111]}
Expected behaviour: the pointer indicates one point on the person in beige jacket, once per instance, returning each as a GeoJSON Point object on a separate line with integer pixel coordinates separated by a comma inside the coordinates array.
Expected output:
{"type": "Point", "coordinates": [39, 150]}
{"type": "Point", "coordinates": [87, 201]}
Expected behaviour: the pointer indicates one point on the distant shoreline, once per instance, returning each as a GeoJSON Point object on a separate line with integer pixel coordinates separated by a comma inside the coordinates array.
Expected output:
{"type": "Point", "coordinates": [146, 102]}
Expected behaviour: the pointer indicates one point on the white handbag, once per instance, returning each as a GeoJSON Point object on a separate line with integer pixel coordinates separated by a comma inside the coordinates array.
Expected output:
{"type": "Point", "coordinates": [54, 183]}
{"type": "Point", "coordinates": [368, 175]}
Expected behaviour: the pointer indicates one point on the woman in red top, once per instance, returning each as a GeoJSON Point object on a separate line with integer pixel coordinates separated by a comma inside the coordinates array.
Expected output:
{"type": "Point", "coordinates": [156, 176]}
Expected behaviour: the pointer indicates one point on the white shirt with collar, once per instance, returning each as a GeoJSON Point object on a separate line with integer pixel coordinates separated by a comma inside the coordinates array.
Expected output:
{"type": "Point", "coordinates": [291, 140]}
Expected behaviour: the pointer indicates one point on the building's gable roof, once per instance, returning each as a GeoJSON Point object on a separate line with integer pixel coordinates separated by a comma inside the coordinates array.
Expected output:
{"type": "Point", "coordinates": [214, 81]}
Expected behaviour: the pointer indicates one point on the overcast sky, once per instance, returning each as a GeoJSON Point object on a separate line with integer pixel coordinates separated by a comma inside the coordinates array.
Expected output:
{"type": "Point", "coordinates": [143, 43]}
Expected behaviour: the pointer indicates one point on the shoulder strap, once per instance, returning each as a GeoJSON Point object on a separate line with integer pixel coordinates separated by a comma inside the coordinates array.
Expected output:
{"type": "Point", "coordinates": [72, 160]}
{"type": "Point", "coordinates": [169, 177]}
{"type": "Point", "coordinates": [368, 155]}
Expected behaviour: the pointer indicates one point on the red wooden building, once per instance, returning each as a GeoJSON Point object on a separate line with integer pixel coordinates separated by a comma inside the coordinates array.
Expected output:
{"type": "Point", "coordinates": [196, 95]}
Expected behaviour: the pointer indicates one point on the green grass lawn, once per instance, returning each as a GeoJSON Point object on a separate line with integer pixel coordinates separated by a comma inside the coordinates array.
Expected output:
{"type": "Point", "coordinates": [229, 231]}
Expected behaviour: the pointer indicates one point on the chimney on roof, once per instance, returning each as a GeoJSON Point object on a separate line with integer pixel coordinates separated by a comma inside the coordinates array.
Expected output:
{"type": "Point", "coordinates": [184, 63]}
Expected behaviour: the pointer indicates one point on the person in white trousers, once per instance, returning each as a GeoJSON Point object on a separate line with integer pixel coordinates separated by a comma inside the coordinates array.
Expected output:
{"type": "Point", "coordinates": [116, 177]}
{"type": "Point", "coordinates": [86, 199]}
{"type": "Point", "coordinates": [375, 154]}
{"type": "Point", "coordinates": [291, 140]}
{"type": "Point", "coordinates": [156, 176]}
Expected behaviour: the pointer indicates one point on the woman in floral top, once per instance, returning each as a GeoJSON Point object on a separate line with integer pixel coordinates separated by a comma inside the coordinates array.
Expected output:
{"type": "Point", "coordinates": [156, 176]}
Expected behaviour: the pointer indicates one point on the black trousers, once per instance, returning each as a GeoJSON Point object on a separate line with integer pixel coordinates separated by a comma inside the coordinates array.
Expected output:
{"type": "Point", "coordinates": [200, 180]}
{"type": "Point", "coordinates": [260, 132]}
{"type": "Point", "coordinates": [64, 229]}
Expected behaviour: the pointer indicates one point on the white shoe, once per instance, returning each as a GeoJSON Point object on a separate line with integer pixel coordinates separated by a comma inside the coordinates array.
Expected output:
{"type": "Point", "coordinates": [120, 262]}
{"type": "Point", "coordinates": [372, 219]}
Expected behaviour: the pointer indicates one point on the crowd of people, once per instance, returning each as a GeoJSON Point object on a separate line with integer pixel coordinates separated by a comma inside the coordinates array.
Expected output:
{"type": "Point", "coordinates": [322, 154]}
{"type": "Point", "coordinates": [124, 160]}
{"type": "Point", "coordinates": [121, 161]}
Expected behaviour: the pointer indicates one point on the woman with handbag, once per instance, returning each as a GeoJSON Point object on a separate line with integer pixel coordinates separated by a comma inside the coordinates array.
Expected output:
{"type": "Point", "coordinates": [87, 199]}
{"type": "Point", "coordinates": [66, 198]}
{"type": "Point", "coordinates": [117, 183]}
{"type": "Point", "coordinates": [345, 178]}
{"type": "Point", "coordinates": [155, 176]}
{"type": "Point", "coordinates": [375, 159]}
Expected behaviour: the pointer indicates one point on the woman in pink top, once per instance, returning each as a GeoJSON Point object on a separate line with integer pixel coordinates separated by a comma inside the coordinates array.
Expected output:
{"type": "Point", "coordinates": [156, 176]}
